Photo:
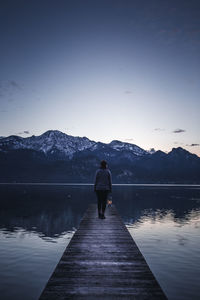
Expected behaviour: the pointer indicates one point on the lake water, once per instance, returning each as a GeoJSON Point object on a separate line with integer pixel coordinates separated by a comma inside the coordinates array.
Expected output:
{"type": "Point", "coordinates": [38, 221]}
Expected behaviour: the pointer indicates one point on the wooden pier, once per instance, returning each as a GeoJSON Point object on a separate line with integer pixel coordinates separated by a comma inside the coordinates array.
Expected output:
{"type": "Point", "coordinates": [102, 261]}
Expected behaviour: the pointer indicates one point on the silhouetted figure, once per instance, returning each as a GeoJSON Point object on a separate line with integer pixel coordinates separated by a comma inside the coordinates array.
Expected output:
{"type": "Point", "coordinates": [102, 186]}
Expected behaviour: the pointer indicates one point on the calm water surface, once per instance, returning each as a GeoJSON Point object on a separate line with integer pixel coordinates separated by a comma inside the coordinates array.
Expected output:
{"type": "Point", "coordinates": [38, 221]}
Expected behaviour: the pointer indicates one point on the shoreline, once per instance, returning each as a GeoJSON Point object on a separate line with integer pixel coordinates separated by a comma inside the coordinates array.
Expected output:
{"type": "Point", "coordinates": [114, 184]}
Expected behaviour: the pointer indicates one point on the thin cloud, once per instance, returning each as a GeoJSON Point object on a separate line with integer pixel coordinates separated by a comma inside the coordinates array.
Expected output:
{"type": "Point", "coordinates": [128, 92]}
{"type": "Point", "coordinates": [178, 143]}
{"type": "Point", "coordinates": [193, 145]}
{"type": "Point", "coordinates": [14, 84]}
{"type": "Point", "coordinates": [159, 129]}
{"type": "Point", "coordinates": [9, 84]}
{"type": "Point", "coordinates": [8, 88]}
{"type": "Point", "coordinates": [24, 132]}
{"type": "Point", "coordinates": [179, 130]}
{"type": "Point", "coordinates": [129, 140]}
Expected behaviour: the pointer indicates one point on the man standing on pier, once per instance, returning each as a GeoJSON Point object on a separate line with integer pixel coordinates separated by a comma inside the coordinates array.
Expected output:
{"type": "Point", "coordinates": [102, 186]}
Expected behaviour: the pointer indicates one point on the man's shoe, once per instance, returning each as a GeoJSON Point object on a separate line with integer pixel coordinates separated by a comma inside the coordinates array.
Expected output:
{"type": "Point", "coordinates": [100, 215]}
{"type": "Point", "coordinates": [103, 217]}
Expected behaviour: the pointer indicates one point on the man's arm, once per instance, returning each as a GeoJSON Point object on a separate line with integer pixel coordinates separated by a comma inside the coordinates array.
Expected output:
{"type": "Point", "coordinates": [110, 180]}
{"type": "Point", "coordinates": [95, 181]}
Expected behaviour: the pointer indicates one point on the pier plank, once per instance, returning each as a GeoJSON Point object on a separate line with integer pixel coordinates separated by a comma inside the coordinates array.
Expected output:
{"type": "Point", "coordinates": [102, 261]}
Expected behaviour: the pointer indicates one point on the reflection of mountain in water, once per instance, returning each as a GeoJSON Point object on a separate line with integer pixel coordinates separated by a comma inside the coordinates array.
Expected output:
{"type": "Point", "coordinates": [53, 210]}
{"type": "Point", "coordinates": [47, 210]}
{"type": "Point", "coordinates": [49, 224]}
{"type": "Point", "coordinates": [134, 203]}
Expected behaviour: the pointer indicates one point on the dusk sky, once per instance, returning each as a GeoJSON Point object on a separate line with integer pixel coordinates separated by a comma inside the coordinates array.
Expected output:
{"type": "Point", "coordinates": [126, 70]}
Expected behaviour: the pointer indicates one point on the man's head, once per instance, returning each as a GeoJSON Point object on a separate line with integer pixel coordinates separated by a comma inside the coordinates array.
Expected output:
{"type": "Point", "coordinates": [103, 164]}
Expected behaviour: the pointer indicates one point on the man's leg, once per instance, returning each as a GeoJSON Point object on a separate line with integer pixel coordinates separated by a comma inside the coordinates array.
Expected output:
{"type": "Point", "coordinates": [99, 202]}
{"type": "Point", "coordinates": [104, 201]}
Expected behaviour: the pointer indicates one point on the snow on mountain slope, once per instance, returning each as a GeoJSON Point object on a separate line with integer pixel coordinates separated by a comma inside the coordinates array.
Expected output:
{"type": "Point", "coordinates": [49, 142]}
{"type": "Point", "coordinates": [121, 146]}
{"type": "Point", "coordinates": [57, 143]}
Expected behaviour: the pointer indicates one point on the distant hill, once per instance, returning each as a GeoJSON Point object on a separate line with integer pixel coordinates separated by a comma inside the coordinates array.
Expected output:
{"type": "Point", "coordinates": [57, 157]}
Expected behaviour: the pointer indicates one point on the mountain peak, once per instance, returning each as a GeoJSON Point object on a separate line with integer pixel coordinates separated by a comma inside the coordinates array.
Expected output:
{"type": "Point", "coordinates": [178, 149]}
{"type": "Point", "coordinates": [53, 142]}
{"type": "Point", "coordinates": [51, 133]}
{"type": "Point", "coordinates": [181, 152]}
{"type": "Point", "coordinates": [123, 146]}
{"type": "Point", "coordinates": [159, 153]}
{"type": "Point", "coordinates": [116, 142]}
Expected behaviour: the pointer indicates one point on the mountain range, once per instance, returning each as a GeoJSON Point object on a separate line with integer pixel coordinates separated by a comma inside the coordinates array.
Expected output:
{"type": "Point", "coordinates": [57, 157]}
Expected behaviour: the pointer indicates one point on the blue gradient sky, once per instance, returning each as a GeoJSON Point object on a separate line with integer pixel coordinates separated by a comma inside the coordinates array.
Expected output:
{"type": "Point", "coordinates": [127, 70]}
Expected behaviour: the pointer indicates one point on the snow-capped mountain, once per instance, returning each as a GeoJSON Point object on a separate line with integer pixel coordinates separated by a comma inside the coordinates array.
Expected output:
{"type": "Point", "coordinates": [57, 143]}
{"type": "Point", "coordinates": [50, 142]}
{"type": "Point", "coordinates": [57, 157]}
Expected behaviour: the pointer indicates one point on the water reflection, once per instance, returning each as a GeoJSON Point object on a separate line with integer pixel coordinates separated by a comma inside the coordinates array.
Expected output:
{"type": "Point", "coordinates": [163, 216]}
{"type": "Point", "coordinates": [50, 211]}
{"type": "Point", "coordinates": [37, 222]}
{"type": "Point", "coordinates": [134, 204]}
{"type": "Point", "coordinates": [53, 210]}
{"type": "Point", "coordinates": [168, 235]}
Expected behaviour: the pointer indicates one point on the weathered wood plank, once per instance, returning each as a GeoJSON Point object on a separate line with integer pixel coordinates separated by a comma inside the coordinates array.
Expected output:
{"type": "Point", "coordinates": [102, 261]}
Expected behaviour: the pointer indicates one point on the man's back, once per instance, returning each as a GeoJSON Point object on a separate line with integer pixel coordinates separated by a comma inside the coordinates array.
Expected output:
{"type": "Point", "coordinates": [103, 179]}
